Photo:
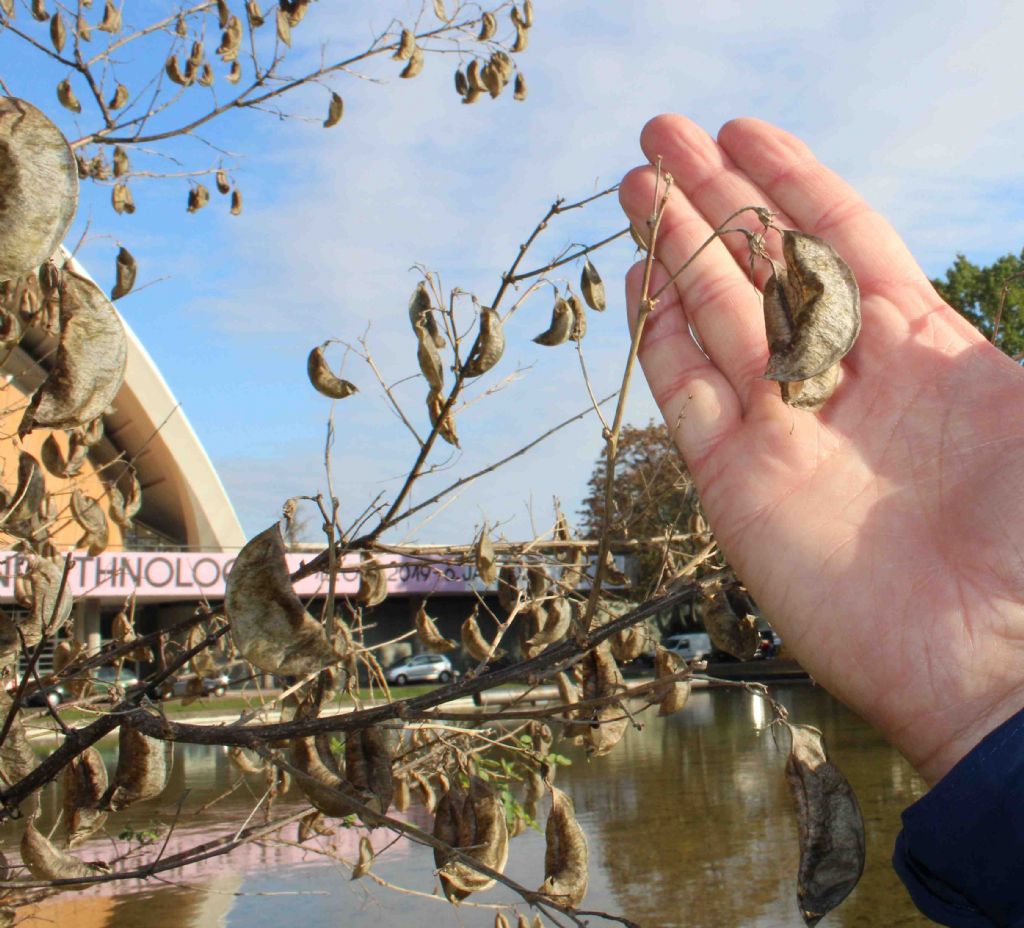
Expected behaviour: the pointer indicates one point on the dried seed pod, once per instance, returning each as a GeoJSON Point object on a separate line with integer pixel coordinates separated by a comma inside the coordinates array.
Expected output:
{"type": "Point", "coordinates": [46, 862]}
{"type": "Point", "coordinates": [39, 11]}
{"type": "Point", "coordinates": [39, 178]}
{"type": "Point", "coordinates": [326, 791]}
{"type": "Point", "coordinates": [373, 582]}
{"type": "Point", "coordinates": [415, 65]}
{"type": "Point", "coordinates": [486, 560]}
{"type": "Point", "coordinates": [122, 200]}
{"type": "Point", "coordinates": [522, 38]}
{"type": "Point", "coordinates": [527, 15]}
{"type": "Point", "coordinates": [829, 823]}
{"type": "Point", "coordinates": [602, 679]}
{"type": "Point", "coordinates": [473, 641]}
{"type": "Point", "coordinates": [206, 76]}
{"type": "Point", "coordinates": [47, 612]}
{"type": "Point", "coordinates": [269, 626]}
{"type": "Point", "coordinates": [58, 32]}
{"type": "Point", "coordinates": [489, 346]}
{"type": "Point", "coordinates": [558, 331]}
{"type": "Point", "coordinates": [89, 367]}
{"type": "Point", "coordinates": [565, 855]}
{"type": "Point", "coordinates": [222, 182]}
{"type": "Point", "coordinates": [500, 921]}
{"type": "Point", "coordinates": [236, 202]}
{"type": "Point", "coordinates": [612, 574]}
{"type": "Point", "coordinates": [522, 921]}
{"type": "Point", "coordinates": [235, 74]}
{"type": "Point", "coordinates": [488, 27]}
{"type": "Point", "coordinates": [119, 99]}
{"type": "Point", "coordinates": [429, 358]}
{"type": "Point", "coordinates": [17, 758]}
{"type": "Point", "coordinates": [198, 197]}
{"type": "Point", "coordinates": [362, 866]}
{"type": "Point", "coordinates": [508, 588]}
{"type": "Point", "coordinates": [629, 643]}
{"type": "Point", "coordinates": [254, 14]}
{"type": "Point", "coordinates": [537, 580]}
{"type": "Point", "coordinates": [405, 47]}
{"type": "Point", "coordinates": [121, 163]}
{"type": "Point", "coordinates": [492, 80]}
{"type": "Point", "coordinates": [439, 10]}
{"type": "Point", "coordinates": [813, 392]}
{"type": "Point", "coordinates": [728, 632]}
{"type": "Point", "coordinates": [811, 309]}
{"type": "Point", "coordinates": [420, 314]}
{"type": "Point", "coordinates": [84, 781]}
{"type": "Point", "coordinates": [335, 110]}
{"type": "Point", "coordinates": [445, 426]}
{"type": "Point", "coordinates": [323, 379]}
{"type": "Point", "coordinates": [592, 287]}
{"type": "Point", "coordinates": [173, 71]}
{"type": "Point", "coordinates": [473, 822]}
{"type": "Point", "coordinates": [230, 39]}
{"type": "Point", "coordinates": [143, 769]}
{"type": "Point", "coordinates": [124, 507]}
{"type": "Point", "coordinates": [461, 84]}
{"type": "Point", "coordinates": [557, 618]}
{"type": "Point", "coordinates": [675, 693]}
{"type": "Point", "coordinates": [284, 26]}
{"type": "Point", "coordinates": [424, 791]}
{"type": "Point", "coordinates": [126, 269]}
{"type": "Point", "coordinates": [28, 496]}
{"type": "Point", "coordinates": [579, 318]}
{"type": "Point", "coordinates": [10, 329]}
{"type": "Point", "coordinates": [90, 516]}
{"type": "Point", "coordinates": [111, 18]}
{"type": "Point", "coordinates": [180, 29]}
{"type": "Point", "coordinates": [428, 634]}
{"type": "Point", "coordinates": [520, 90]}
{"type": "Point", "coordinates": [243, 763]}
{"type": "Point", "coordinates": [368, 767]}
{"type": "Point", "coordinates": [313, 824]}
{"type": "Point", "coordinates": [401, 798]}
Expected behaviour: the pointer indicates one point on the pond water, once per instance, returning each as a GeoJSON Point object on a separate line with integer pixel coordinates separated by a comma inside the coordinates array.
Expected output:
{"type": "Point", "coordinates": [689, 822]}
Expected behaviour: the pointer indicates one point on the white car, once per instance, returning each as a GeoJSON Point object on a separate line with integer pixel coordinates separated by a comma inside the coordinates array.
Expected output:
{"type": "Point", "coordinates": [692, 646]}
{"type": "Point", "coordinates": [425, 668]}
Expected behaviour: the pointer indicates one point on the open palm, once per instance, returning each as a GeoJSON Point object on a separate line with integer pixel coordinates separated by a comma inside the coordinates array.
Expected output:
{"type": "Point", "coordinates": [884, 535]}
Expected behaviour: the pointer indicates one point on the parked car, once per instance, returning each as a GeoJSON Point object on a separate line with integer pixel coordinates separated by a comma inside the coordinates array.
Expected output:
{"type": "Point", "coordinates": [109, 675]}
{"type": "Point", "coordinates": [690, 646]}
{"type": "Point", "coordinates": [421, 668]}
{"type": "Point", "coordinates": [53, 694]}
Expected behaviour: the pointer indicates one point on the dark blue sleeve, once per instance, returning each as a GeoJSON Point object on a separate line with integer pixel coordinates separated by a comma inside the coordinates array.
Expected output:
{"type": "Point", "coordinates": [961, 851]}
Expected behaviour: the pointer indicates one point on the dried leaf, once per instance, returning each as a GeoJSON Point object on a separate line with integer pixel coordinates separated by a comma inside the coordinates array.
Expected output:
{"type": "Point", "coordinates": [488, 27]}
{"type": "Point", "coordinates": [198, 197]}
{"type": "Point", "coordinates": [445, 426]}
{"type": "Point", "coordinates": [592, 287]}
{"type": "Point", "coordinates": [84, 781]}
{"type": "Point", "coordinates": [428, 634]}
{"type": "Point", "coordinates": [486, 560]}
{"type": "Point", "coordinates": [561, 325]}
{"type": "Point", "coordinates": [415, 65]}
{"type": "Point", "coordinates": [489, 346]}
{"type": "Point", "coordinates": [58, 32]}
{"type": "Point", "coordinates": [126, 269]}
{"type": "Point", "coordinates": [269, 626]}
{"type": "Point", "coordinates": [143, 769]}
{"type": "Point", "coordinates": [46, 862]}
{"type": "Point", "coordinates": [362, 866]}
{"type": "Point", "coordinates": [728, 632]}
{"type": "Point", "coordinates": [829, 822]}
{"type": "Point", "coordinates": [111, 18]}
{"type": "Point", "coordinates": [811, 309]}
{"type": "Point", "coordinates": [520, 90]}
{"type": "Point", "coordinates": [90, 516]}
{"type": "Point", "coordinates": [565, 855]}
{"type": "Point", "coordinates": [334, 111]}
{"type": "Point", "coordinates": [676, 692]}
{"type": "Point", "coordinates": [323, 379]}
{"type": "Point", "coordinates": [373, 582]}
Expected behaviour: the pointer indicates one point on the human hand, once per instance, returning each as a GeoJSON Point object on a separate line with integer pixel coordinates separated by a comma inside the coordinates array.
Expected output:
{"type": "Point", "coordinates": [882, 536]}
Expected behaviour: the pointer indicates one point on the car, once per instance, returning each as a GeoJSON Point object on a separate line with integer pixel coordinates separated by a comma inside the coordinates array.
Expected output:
{"type": "Point", "coordinates": [53, 694]}
{"type": "Point", "coordinates": [425, 668]}
{"type": "Point", "coordinates": [110, 675]}
{"type": "Point", "coordinates": [690, 646]}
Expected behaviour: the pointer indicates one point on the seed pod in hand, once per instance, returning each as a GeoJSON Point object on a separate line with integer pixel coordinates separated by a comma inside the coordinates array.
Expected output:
{"type": "Point", "coordinates": [323, 379]}
{"type": "Point", "coordinates": [125, 271]}
{"type": "Point", "coordinates": [143, 769]}
{"type": "Point", "coordinates": [111, 22]}
{"type": "Point", "coordinates": [811, 393]}
{"type": "Point", "coordinates": [83, 781]}
{"type": "Point", "coordinates": [829, 823]}
{"type": "Point", "coordinates": [811, 309]}
{"type": "Point", "coordinates": [67, 97]}
{"type": "Point", "coordinates": [428, 634]}
{"type": "Point", "coordinates": [445, 426]}
{"type": "Point", "coordinates": [46, 862]}
{"type": "Point", "coordinates": [561, 325]}
{"type": "Point", "coordinates": [373, 582]}
{"type": "Point", "coordinates": [415, 65]}
{"type": "Point", "coordinates": [592, 287]}
{"type": "Point", "coordinates": [728, 632]}
{"type": "Point", "coordinates": [486, 562]}
{"type": "Point", "coordinates": [488, 27]}
{"type": "Point", "coordinates": [490, 344]}
{"type": "Point", "coordinates": [675, 693]}
{"type": "Point", "coordinates": [579, 318]}
{"type": "Point", "coordinates": [431, 365]}
{"type": "Point", "coordinates": [335, 110]}
{"type": "Point", "coordinates": [566, 855]}
{"type": "Point", "coordinates": [269, 625]}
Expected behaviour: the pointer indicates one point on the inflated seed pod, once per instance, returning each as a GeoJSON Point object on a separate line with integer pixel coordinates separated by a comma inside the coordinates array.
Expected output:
{"type": "Point", "coordinates": [813, 392]}
{"type": "Point", "coordinates": [17, 517]}
{"type": "Point", "coordinates": [812, 309]}
{"type": "Point", "coordinates": [424, 791]}
{"type": "Point", "coordinates": [125, 506]}
{"type": "Point", "coordinates": [415, 64]}
{"type": "Point", "coordinates": [602, 679]}
{"type": "Point", "coordinates": [373, 582]}
{"type": "Point", "coordinates": [335, 110]}
{"type": "Point", "coordinates": [198, 197]}
{"type": "Point", "coordinates": [323, 378]}
{"type": "Point", "coordinates": [111, 21]}
{"type": "Point", "coordinates": [727, 630]}
{"type": "Point", "coordinates": [485, 558]}
{"type": "Point", "coordinates": [473, 641]}
{"type": "Point", "coordinates": [592, 287]}
{"type": "Point", "coordinates": [311, 825]}
{"type": "Point", "coordinates": [557, 333]}
{"type": "Point", "coordinates": [402, 797]}
{"type": "Point", "coordinates": [126, 269]}
{"type": "Point", "coordinates": [83, 782]}
{"type": "Point", "coordinates": [830, 825]}
{"type": "Point", "coordinates": [46, 862]}
{"type": "Point", "coordinates": [365, 860]}
{"type": "Point", "coordinates": [244, 763]}
{"type": "Point", "coordinates": [579, 318]}
{"type": "Point", "coordinates": [488, 27]}
{"type": "Point", "coordinates": [269, 625]}
{"type": "Point", "coordinates": [565, 856]}
{"type": "Point", "coordinates": [445, 425]}
{"type": "Point", "coordinates": [328, 792]}
{"type": "Point", "coordinates": [428, 634]}
{"type": "Point", "coordinates": [557, 619]}
{"type": "Point", "coordinates": [674, 694]}
{"type": "Point", "coordinates": [520, 90]}
{"type": "Point", "coordinates": [420, 312]}
{"type": "Point", "coordinates": [473, 822]}
{"type": "Point", "coordinates": [406, 46]}
{"type": "Point", "coordinates": [44, 578]}
{"type": "Point", "coordinates": [143, 769]}
{"type": "Point", "coordinates": [17, 758]}
{"type": "Point", "coordinates": [431, 365]}
{"type": "Point", "coordinates": [629, 643]}
{"type": "Point", "coordinates": [368, 767]}
{"type": "Point", "coordinates": [508, 588]}
{"type": "Point", "coordinates": [90, 516]}
{"type": "Point", "coordinates": [489, 347]}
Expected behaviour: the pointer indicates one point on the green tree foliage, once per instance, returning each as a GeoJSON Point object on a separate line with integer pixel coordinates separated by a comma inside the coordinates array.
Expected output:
{"type": "Point", "coordinates": [976, 292]}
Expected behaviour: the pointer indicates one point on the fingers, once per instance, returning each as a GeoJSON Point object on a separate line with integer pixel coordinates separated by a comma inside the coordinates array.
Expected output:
{"type": "Point", "coordinates": [698, 403]}
{"type": "Point", "coordinates": [714, 294]}
{"type": "Point", "coordinates": [820, 202]}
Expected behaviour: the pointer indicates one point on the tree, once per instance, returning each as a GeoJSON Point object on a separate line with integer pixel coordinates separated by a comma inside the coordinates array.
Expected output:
{"type": "Point", "coordinates": [990, 298]}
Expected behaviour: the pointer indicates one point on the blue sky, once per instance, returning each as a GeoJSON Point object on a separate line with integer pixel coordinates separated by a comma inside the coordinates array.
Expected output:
{"type": "Point", "coordinates": [915, 104]}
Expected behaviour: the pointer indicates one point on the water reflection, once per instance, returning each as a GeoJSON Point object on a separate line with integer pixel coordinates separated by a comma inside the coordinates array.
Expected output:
{"type": "Point", "coordinates": [689, 823]}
